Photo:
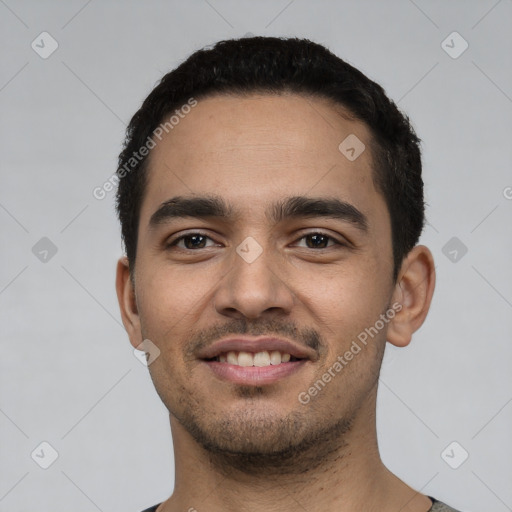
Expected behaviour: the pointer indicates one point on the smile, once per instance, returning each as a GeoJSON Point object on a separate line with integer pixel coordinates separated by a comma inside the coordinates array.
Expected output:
{"type": "Point", "coordinates": [259, 359]}
{"type": "Point", "coordinates": [246, 360]}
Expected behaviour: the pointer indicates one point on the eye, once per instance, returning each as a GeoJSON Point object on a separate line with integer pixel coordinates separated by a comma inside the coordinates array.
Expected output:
{"type": "Point", "coordinates": [318, 240]}
{"type": "Point", "coordinates": [192, 241]}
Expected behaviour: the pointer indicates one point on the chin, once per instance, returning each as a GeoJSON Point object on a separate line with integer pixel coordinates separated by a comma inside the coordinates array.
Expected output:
{"type": "Point", "coordinates": [255, 430]}
{"type": "Point", "coordinates": [253, 443]}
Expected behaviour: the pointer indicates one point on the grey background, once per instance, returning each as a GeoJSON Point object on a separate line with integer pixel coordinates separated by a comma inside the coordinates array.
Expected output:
{"type": "Point", "coordinates": [68, 374]}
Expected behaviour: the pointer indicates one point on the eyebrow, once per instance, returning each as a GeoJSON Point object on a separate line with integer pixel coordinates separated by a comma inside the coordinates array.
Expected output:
{"type": "Point", "coordinates": [287, 208]}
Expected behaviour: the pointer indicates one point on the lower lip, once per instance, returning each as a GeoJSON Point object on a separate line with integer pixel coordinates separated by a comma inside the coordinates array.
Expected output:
{"type": "Point", "coordinates": [254, 375]}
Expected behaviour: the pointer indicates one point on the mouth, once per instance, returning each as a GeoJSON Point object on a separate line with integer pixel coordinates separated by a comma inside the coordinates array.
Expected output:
{"type": "Point", "coordinates": [247, 360]}
{"type": "Point", "coordinates": [259, 359]}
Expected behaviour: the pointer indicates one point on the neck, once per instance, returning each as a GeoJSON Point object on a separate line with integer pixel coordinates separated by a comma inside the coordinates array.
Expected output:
{"type": "Point", "coordinates": [344, 473]}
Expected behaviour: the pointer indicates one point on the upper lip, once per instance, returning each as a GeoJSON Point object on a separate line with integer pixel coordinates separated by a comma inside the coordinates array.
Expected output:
{"type": "Point", "coordinates": [246, 344]}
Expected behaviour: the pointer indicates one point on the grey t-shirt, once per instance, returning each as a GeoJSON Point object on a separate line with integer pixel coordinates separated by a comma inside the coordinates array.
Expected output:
{"type": "Point", "coordinates": [440, 507]}
{"type": "Point", "coordinates": [437, 506]}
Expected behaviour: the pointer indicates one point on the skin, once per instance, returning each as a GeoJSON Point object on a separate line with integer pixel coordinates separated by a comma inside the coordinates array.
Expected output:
{"type": "Point", "coordinates": [257, 448]}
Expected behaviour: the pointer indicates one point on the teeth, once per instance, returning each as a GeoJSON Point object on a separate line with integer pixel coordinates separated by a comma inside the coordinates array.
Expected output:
{"type": "Point", "coordinates": [245, 359]}
{"type": "Point", "coordinates": [260, 359]}
{"type": "Point", "coordinates": [232, 358]}
{"type": "Point", "coordinates": [275, 357]}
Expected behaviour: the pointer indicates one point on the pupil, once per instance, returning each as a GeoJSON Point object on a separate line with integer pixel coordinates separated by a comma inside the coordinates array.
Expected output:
{"type": "Point", "coordinates": [317, 240]}
{"type": "Point", "coordinates": [195, 238]}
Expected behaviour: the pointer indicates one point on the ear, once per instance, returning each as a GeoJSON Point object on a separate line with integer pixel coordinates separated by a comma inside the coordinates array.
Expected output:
{"type": "Point", "coordinates": [127, 302]}
{"type": "Point", "coordinates": [413, 290]}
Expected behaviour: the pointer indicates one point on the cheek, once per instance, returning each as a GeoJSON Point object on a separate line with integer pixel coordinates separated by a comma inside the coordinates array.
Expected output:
{"type": "Point", "coordinates": [170, 296]}
{"type": "Point", "coordinates": [162, 305]}
{"type": "Point", "coordinates": [172, 304]}
{"type": "Point", "coordinates": [344, 305]}
{"type": "Point", "coordinates": [349, 294]}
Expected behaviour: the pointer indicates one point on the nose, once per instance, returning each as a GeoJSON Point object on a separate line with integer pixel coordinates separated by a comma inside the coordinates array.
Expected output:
{"type": "Point", "coordinates": [254, 288]}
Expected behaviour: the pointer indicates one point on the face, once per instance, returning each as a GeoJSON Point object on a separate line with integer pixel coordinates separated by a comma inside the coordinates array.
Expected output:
{"type": "Point", "coordinates": [266, 266]}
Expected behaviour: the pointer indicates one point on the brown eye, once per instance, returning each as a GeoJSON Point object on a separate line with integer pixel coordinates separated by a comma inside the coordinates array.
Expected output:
{"type": "Point", "coordinates": [319, 241]}
{"type": "Point", "coordinates": [191, 241]}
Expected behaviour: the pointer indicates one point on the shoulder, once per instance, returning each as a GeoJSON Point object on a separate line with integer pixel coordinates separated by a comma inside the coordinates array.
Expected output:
{"type": "Point", "coordinates": [151, 509]}
{"type": "Point", "coordinates": [438, 506]}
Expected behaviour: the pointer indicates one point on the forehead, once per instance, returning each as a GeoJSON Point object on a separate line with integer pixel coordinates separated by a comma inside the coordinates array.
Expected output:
{"type": "Point", "coordinates": [252, 149]}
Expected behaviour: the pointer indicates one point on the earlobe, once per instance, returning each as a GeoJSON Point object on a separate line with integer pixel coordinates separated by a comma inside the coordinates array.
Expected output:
{"type": "Point", "coordinates": [413, 290]}
{"type": "Point", "coordinates": [127, 302]}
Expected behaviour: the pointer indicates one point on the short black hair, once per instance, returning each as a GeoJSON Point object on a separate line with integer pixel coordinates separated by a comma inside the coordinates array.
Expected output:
{"type": "Point", "coordinates": [275, 65]}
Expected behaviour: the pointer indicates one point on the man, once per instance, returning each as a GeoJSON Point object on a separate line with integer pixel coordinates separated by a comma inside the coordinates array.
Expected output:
{"type": "Point", "coordinates": [271, 200]}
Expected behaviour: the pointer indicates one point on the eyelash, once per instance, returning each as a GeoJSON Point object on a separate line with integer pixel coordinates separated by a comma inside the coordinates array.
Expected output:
{"type": "Point", "coordinates": [175, 242]}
